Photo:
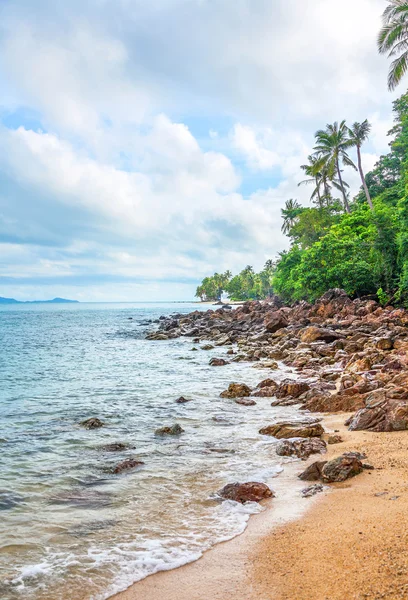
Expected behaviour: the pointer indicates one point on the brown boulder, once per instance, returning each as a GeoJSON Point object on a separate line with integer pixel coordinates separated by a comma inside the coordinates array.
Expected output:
{"type": "Point", "coordinates": [313, 471]}
{"type": "Point", "coordinates": [245, 401]}
{"type": "Point", "coordinates": [183, 400]}
{"type": "Point", "coordinates": [246, 492]}
{"type": "Point", "coordinates": [265, 392]}
{"type": "Point", "coordinates": [274, 321]}
{"type": "Point", "coordinates": [314, 334]}
{"type": "Point", "coordinates": [236, 390]}
{"type": "Point", "coordinates": [342, 468]}
{"type": "Point", "coordinates": [174, 430]}
{"type": "Point", "coordinates": [218, 362]}
{"type": "Point", "coordinates": [291, 388]}
{"type": "Point", "coordinates": [287, 430]}
{"type": "Point", "coordinates": [92, 423]}
{"type": "Point", "coordinates": [335, 439]}
{"type": "Point", "coordinates": [386, 414]}
{"type": "Point", "coordinates": [125, 465]}
{"type": "Point", "coordinates": [302, 448]}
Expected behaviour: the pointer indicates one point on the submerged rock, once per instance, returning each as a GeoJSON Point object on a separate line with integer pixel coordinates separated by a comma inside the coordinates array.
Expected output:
{"type": "Point", "coordinates": [183, 400]}
{"type": "Point", "coordinates": [173, 430]}
{"type": "Point", "coordinates": [245, 401]}
{"type": "Point", "coordinates": [218, 362]}
{"type": "Point", "coordinates": [301, 447]}
{"type": "Point", "coordinates": [293, 430]}
{"type": "Point", "coordinates": [116, 447]}
{"type": "Point", "coordinates": [246, 492]}
{"type": "Point", "coordinates": [236, 390]}
{"type": "Point", "coordinates": [126, 465]}
{"type": "Point", "coordinates": [92, 423]}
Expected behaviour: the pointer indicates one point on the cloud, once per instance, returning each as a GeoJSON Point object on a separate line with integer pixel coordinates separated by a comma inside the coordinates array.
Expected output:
{"type": "Point", "coordinates": [157, 142]}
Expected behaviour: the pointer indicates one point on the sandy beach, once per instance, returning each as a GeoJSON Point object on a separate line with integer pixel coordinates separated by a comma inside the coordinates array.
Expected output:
{"type": "Point", "coordinates": [352, 542]}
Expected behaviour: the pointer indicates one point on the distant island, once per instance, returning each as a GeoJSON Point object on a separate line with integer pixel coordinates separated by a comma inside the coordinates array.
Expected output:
{"type": "Point", "coordinates": [54, 301]}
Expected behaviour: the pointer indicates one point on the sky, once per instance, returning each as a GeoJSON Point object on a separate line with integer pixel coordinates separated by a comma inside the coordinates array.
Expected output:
{"type": "Point", "coordinates": [145, 145]}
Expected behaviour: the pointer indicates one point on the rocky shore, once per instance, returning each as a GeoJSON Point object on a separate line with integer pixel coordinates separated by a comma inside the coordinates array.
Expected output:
{"type": "Point", "coordinates": [350, 359]}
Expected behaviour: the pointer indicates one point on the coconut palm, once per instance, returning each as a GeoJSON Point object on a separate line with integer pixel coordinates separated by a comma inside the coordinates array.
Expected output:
{"type": "Point", "coordinates": [331, 149]}
{"type": "Point", "coordinates": [393, 40]}
{"type": "Point", "coordinates": [289, 214]}
{"type": "Point", "coordinates": [317, 170]}
{"type": "Point", "coordinates": [359, 133]}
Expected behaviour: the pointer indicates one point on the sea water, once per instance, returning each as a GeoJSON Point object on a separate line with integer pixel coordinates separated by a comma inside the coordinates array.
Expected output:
{"type": "Point", "coordinates": [69, 527]}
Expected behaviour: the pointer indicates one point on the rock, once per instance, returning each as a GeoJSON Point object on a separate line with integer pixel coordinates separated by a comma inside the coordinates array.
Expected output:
{"type": "Point", "coordinates": [245, 402]}
{"type": "Point", "coordinates": [332, 403]}
{"type": "Point", "coordinates": [218, 362]}
{"type": "Point", "coordinates": [236, 390]}
{"type": "Point", "coordinates": [313, 471]}
{"type": "Point", "coordinates": [314, 334]}
{"type": "Point", "coordinates": [174, 430]}
{"type": "Point", "coordinates": [92, 423]}
{"type": "Point", "coordinates": [207, 347]}
{"type": "Point", "coordinates": [265, 392]}
{"type": "Point", "coordinates": [289, 430]}
{"type": "Point", "coordinates": [183, 400]}
{"type": "Point", "coordinates": [335, 439]}
{"type": "Point", "coordinates": [288, 387]}
{"type": "Point", "coordinates": [381, 415]}
{"type": "Point", "coordinates": [116, 447]}
{"type": "Point", "coordinates": [274, 321]}
{"type": "Point", "coordinates": [246, 492]}
{"type": "Point", "coordinates": [302, 447]}
{"type": "Point", "coordinates": [267, 383]}
{"type": "Point", "coordinates": [312, 490]}
{"type": "Point", "coordinates": [342, 468]}
{"type": "Point", "coordinates": [125, 465]}
{"type": "Point", "coordinates": [385, 343]}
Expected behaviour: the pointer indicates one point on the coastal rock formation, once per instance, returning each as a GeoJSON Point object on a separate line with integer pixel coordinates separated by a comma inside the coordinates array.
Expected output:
{"type": "Point", "coordinates": [92, 423]}
{"type": "Point", "coordinates": [126, 465]}
{"type": "Point", "coordinates": [313, 471]}
{"type": "Point", "coordinates": [293, 430]}
{"type": "Point", "coordinates": [246, 492]}
{"type": "Point", "coordinates": [301, 447]}
{"type": "Point", "coordinates": [236, 390]}
{"type": "Point", "coordinates": [275, 321]}
{"type": "Point", "coordinates": [174, 430]}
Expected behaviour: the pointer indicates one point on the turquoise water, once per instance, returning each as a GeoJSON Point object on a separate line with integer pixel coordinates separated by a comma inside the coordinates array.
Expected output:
{"type": "Point", "coordinates": [69, 527]}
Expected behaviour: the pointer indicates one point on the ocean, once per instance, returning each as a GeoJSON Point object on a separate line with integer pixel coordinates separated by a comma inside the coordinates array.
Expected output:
{"type": "Point", "coordinates": [69, 526]}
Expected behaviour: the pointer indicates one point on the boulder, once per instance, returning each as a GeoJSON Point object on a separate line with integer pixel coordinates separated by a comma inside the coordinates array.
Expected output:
{"type": "Point", "coordinates": [313, 471]}
{"type": "Point", "coordinates": [267, 383]}
{"type": "Point", "coordinates": [92, 423]}
{"type": "Point", "coordinates": [301, 447]}
{"type": "Point", "coordinates": [314, 334]}
{"type": "Point", "coordinates": [245, 401]}
{"type": "Point", "coordinates": [246, 492]}
{"type": "Point", "coordinates": [288, 387]}
{"type": "Point", "coordinates": [173, 430]}
{"type": "Point", "coordinates": [183, 400]}
{"type": "Point", "coordinates": [381, 415]}
{"type": "Point", "coordinates": [126, 465]}
{"type": "Point", "coordinates": [265, 392]}
{"type": "Point", "coordinates": [116, 447]}
{"type": "Point", "coordinates": [287, 430]}
{"type": "Point", "coordinates": [236, 390]}
{"type": "Point", "coordinates": [218, 362]}
{"type": "Point", "coordinates": [274, 321]}
{"type": "Point", "coordinates": [342, 468]}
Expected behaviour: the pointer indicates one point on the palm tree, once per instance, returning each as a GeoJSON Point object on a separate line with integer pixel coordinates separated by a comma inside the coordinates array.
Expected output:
{"type": "Point", "coordinates": [393, 40]}
{"type": "Point", "coordinates": [289, 214]}
{"type": "Point", "coordinates": [331, 148]}
{"type": "Point", "coordinates": [312, 170]}
{"type": "Point", "coordinates": [359, 133]}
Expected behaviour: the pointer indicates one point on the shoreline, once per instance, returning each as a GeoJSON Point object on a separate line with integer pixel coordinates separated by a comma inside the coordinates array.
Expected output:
{"type": "Point", "coordinates": [355, 540]}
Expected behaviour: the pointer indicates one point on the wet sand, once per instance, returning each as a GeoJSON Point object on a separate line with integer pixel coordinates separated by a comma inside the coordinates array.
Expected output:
{"type": "Point", "coordinates": [352, 543]}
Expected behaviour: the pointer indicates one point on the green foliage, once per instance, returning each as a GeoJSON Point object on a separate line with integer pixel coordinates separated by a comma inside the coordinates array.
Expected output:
{"type": "Point", "coordinates": [247, 285]}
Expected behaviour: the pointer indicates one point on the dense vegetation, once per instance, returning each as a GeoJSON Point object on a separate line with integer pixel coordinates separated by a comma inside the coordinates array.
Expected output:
{"type": "Point", "coordinates": [359, 244]}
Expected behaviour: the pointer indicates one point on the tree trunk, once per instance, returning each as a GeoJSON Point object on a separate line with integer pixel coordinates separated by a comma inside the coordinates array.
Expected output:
{"type": "Point", "coordinates": [346, 204]}
{"type": "Point", "coordinates": [360, 168]}
{"type": "Point", "coordinates": [318, 192]}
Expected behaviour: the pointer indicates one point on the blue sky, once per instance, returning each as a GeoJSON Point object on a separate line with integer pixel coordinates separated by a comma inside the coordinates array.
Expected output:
{"type": "Point", "coordinates": [146, 145]}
